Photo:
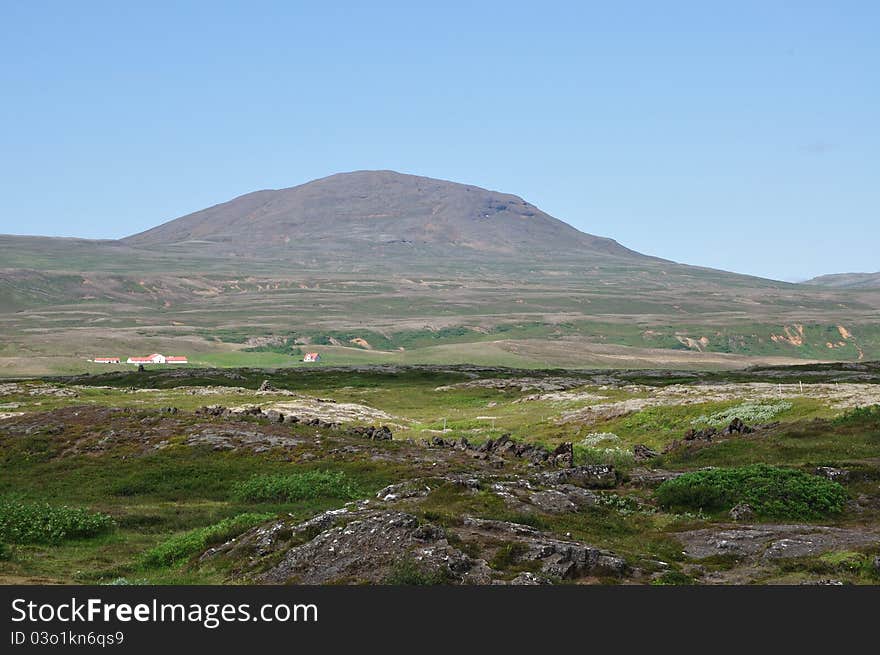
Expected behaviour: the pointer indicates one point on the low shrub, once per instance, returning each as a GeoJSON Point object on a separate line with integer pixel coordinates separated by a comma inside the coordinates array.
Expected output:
{"type": "Point", "coordinates": [618, 457]}
{"type": "Point", "coordinates": [595, 438]}
{"type": "Point", "coordinates": [5, 552]}
{"type": "Point", "coordinates": [41, 523]}
{"type": "Point", "coordinates": [296, 486]}
{"type": "Point", "coordinates": [749, 412]}
{"type": "Point", "coordinates": [181, 547]}
{"type": "Point", "coordinates": [771, 492]}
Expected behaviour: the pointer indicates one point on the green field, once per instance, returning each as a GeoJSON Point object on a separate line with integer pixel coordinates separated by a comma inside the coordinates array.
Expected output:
{"type": "Point", "coordinates": [107, 445]}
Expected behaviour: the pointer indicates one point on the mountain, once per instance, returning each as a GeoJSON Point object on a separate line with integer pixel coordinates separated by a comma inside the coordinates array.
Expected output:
{"type": "Point", "coordinates": [847, 281]}
{"type": "Point", "coordinates": [380, 267]}
{"type": "Point", "coordinates": [370, 210]}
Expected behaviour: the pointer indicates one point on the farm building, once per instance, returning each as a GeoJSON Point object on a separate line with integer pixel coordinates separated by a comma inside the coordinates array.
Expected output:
{"type": "Point", "coordinates": [106, 360]}
{"type": "Point", "coordinates": [312, 357]}
{"type": "Point", "coordinates": [155, 358]}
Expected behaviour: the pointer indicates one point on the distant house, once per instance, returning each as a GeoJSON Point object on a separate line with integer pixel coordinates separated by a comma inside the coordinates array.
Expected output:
{"type": "Point", "coordinates": [106, 360]}
{"type": "Point", "coordinates": [155, 358]}
{"type": "Point", "coordinates": [312, 357]}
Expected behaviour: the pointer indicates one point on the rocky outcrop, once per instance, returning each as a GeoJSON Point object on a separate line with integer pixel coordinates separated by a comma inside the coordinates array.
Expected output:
{"type": "Point", "coordinates": [770, 542]}
{"type": "Point", "coordinates": [402, 490]}
{"type": "Point", "coordinates": [834, 474]}
{"type": "Point", "coordinates": [556, 558]}
{"type": "Point", "coordinates": [271, 415]}
{"type": "Point", "coordinates": [366, 547]}
{"type": "Point", "coordinates": [233, 439]}
{"type": "Point", "coordinates": [504, 446]}
{"type": "Point", "coordinates": [643, 477]}
{"type": "Point", "coordinates": [692, 436]}
{"type": "Point", "coordinates": [597, 476]}
{"type": "Point", "coordinates": [366, 542]}
{"type": "Point", "coordinates": [642, 453]}
{"type": "Point", "coordinates": [381, 433]}
{"type": "Point", "coordinates": [742, 512]}
{"type": "Point", "coordinates": [522, 496]}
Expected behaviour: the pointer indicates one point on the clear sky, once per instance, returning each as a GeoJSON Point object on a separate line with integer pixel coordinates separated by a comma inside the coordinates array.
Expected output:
{"type": "Point", "coordinates": [741, 135]}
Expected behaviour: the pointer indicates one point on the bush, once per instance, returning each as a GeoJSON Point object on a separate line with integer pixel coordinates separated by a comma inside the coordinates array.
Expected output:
{"type": "Point", "coordinates": [296, 486]}
{"type": "Point", "coordinates": [41, 523]}
{"type": "Point", "coordinates": [595, 438]}
{"type": "Point", "coordinates": [749, 412]}
{"type": "Point", "coordinates": [771, 492]}
{"type": "Point", "coordinates": [5, 553]}
{"type": "Point", "coordinates": [180, 548]}
{"type": "Point", "coordinates": [618, 457]}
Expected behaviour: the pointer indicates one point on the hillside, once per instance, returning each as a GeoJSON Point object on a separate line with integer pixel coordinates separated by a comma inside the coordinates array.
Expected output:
{"type": "Point", "coordinates": [847, 281]}
{"type": "Point", "coordinates": [350, 212]}
{"type": "Point", "coordinates": [379, 267]}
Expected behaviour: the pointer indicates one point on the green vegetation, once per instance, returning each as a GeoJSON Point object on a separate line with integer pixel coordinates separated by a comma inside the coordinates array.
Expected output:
{"type": "Point", "coordinates": [100, 442]}
{"type": "Point", "coordinates": [749, 412]}
{"type": "Point", "coordinates": [181, 547]}
{"type": "Point", "coordinates": [296, 486]}
{"type": "Point", "coordinates": [771, 492]}
{"type": "Point", "coordinates": [41, 523]}
{"type": "Point", "coordinates": [618, 457]}
{"type": "Point", "coordinates": [673, 578]}
{"type": "Point", "coordinates": [408, 571]}
{"type": "Point", "coordinates": [860, 416]}
{"type": "Point", "coordinates": [283, 347]}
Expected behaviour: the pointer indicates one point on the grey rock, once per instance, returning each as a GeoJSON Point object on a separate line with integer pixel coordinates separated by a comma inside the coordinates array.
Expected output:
{"type": "Point", "coordinates": [831, 473]}
{"type": "Point", "coordinates": [773, 541]}
{"type": "Point", "coordinates": [600, 476]}
{"type": "Point", "coordinates": [642, 453]}
{"type": "Point", "coordinates": [742, 512]}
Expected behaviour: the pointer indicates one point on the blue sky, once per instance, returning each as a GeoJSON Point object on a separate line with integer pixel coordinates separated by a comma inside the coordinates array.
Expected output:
{"type": "Point", "coordinates": [740, 135]}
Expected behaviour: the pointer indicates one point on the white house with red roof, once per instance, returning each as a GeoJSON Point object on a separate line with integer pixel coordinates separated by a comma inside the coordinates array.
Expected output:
{"type": "Point", "coordinates": [312, 357]}
{"type": "Point", "coordinates": [155, 358]}
{"type": "Point", "coordinates": [158, 358]}
{"type": "Point", "coordinates": [106, 360]}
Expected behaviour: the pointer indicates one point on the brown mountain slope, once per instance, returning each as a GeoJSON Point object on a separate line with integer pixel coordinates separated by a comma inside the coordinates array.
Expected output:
{"type": "Point", "coordinates": [369, 209]}
{"type": "Point", "coordinates": [847, 281]}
